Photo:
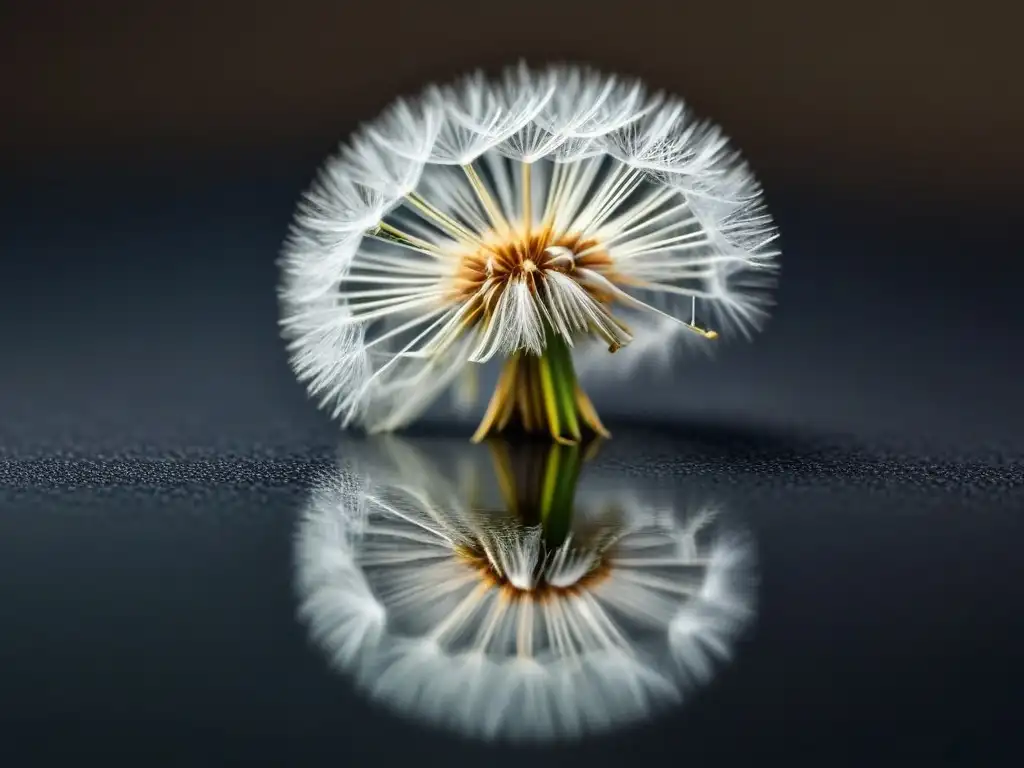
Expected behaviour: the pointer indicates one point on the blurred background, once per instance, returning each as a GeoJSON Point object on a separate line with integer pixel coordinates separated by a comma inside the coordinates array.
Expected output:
{"type": "Point", "coordinates": [900, 96]}
{"type": "Point", "coordinates": [154, 153]}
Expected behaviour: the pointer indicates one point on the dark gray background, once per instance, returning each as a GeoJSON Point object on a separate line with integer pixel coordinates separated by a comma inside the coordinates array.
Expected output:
{"type": "Point", "coordinates": [156, 448]}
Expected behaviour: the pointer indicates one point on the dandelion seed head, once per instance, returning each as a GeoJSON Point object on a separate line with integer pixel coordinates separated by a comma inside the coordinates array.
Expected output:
{"type": "Point", "coordinates": [477, 219]}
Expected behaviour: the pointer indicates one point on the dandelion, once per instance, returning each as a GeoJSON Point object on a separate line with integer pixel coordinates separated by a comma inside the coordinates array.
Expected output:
{"type": "Point", "coordinates": [540, 612]}
{"type": "Point", "coordinates": [541, 219]}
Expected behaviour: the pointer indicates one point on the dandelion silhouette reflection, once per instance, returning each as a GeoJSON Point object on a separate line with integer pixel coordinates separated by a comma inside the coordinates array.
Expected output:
{"type": "Point", "coordinates": [507, 600]}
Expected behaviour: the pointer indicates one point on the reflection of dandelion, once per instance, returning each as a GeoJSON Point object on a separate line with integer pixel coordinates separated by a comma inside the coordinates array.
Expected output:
{"type": "Point", "coordinates": [514, 620]}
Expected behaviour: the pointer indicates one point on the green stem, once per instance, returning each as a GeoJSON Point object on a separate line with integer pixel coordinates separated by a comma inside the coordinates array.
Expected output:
{"type": "Point", "coordinates": [545, 395]}
{"type": "Point", "coordinates": [558, 492]}
{"type": "Point", "coordinates": [560, 357]}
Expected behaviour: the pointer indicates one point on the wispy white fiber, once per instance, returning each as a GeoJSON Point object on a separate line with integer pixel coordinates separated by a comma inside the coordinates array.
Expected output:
{"type": "Point", "coordinates": [376, 306]}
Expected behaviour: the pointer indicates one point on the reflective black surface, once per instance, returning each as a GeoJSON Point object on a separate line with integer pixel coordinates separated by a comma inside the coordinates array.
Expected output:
{"type": "Point", "coordinates": [149, 613]}
{"type": "Point", "coordinates": [156, 451]}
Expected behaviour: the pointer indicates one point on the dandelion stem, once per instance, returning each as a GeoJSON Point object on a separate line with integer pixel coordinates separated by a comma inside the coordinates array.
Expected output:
{"type": "Point", "coordinates": [542, 394]}
{"type": "Point", "coordinates": [550, 483]}
{"type": "Point", "coordinates": [561, 476]}
{"type": "Point", "coordinates": [538, 484]}
{"type": "Point", "coordinates": [550, 399]}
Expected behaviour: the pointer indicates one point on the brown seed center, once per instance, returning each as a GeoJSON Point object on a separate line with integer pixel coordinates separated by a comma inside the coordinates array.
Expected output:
{"type": "Point", "coordinates": [522, 256]}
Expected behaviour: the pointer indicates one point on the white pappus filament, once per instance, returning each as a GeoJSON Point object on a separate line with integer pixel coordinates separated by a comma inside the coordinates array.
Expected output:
{"type": "Point", "coordinates": [481, 219]}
